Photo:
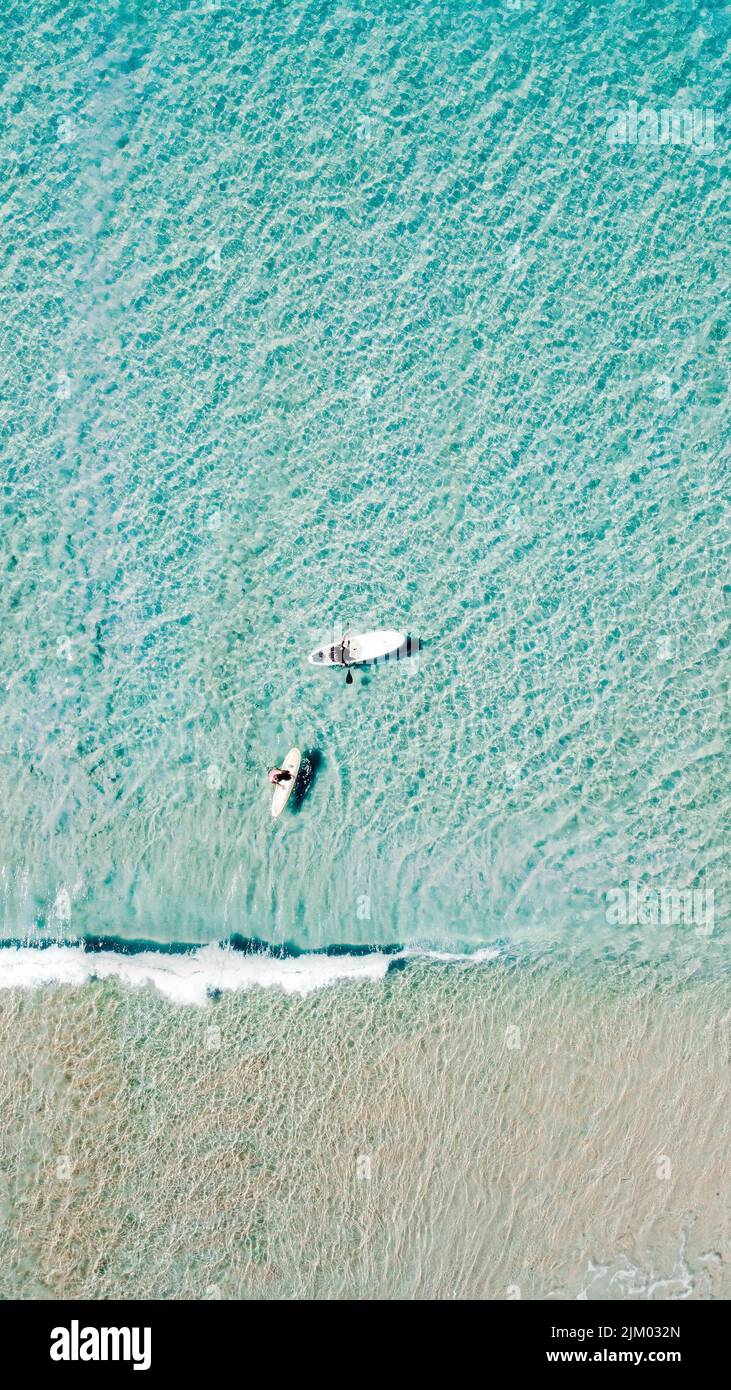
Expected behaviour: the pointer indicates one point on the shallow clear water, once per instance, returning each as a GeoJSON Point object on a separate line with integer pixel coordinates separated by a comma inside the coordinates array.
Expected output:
{"type": "Point", "coordinates": [318, 316]}
{"type": "Point", "coordinates": [452, 1133]}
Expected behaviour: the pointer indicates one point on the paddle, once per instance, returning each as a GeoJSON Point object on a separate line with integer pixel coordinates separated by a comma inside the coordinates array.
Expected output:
{"type": "Point", "coordinates": [349, 677]}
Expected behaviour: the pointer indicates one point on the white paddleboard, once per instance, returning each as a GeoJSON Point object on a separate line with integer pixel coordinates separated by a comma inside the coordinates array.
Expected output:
{"type": "Point", "coordinates": [361, 648]}
{"type": "Point", "coordinates": [283, 792]}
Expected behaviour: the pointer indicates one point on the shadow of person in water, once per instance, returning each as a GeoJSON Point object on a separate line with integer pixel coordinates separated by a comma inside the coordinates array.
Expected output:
{"type": "Point", "coordinates": [312, 761]}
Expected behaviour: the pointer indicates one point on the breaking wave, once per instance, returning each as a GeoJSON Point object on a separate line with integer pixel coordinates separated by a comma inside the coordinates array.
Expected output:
{"type": "Point", "coordinates": [195, 974]}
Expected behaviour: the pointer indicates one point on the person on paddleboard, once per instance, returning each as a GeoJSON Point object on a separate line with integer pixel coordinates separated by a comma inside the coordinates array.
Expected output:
{"type": "Point", "coordinates": [277, 775]}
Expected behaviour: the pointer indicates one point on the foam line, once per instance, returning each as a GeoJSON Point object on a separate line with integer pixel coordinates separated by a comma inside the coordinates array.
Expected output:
{"type": "Point", "coordinates": [193, 975]}
{"type": "Point", "coordinates": [187, 979]}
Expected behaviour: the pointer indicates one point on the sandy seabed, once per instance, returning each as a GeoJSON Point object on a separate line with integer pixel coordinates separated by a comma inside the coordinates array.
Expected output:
{"type": "Point", "coordinates": [448, 1132]}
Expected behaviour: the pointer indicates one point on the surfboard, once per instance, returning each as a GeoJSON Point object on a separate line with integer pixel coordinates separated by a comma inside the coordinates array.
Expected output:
{"type": "Point", "coordinates": [283, 792]}
{"type": "Point", "coordinates": [362, 648]}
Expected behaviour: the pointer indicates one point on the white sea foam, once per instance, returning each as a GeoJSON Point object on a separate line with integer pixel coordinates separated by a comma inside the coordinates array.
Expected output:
{"type": "Point", "coordinates": [485, 953]}
{"type": "Point", "coordinates": [192, 978]}
{"type": "Point", "coordinates": [186, 979]}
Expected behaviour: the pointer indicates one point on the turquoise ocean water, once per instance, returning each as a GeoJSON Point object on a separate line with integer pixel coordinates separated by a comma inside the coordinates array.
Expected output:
{"type": "Point", "coordinates": [320, 315]}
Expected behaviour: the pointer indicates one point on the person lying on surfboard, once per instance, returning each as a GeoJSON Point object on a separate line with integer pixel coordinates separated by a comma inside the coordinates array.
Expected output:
{"type": "Point", "coordinates": [277, 775]}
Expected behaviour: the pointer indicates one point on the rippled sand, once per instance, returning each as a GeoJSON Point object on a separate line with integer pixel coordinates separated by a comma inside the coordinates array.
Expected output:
{"type": "Point", "coordinates": [448, 1132]}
